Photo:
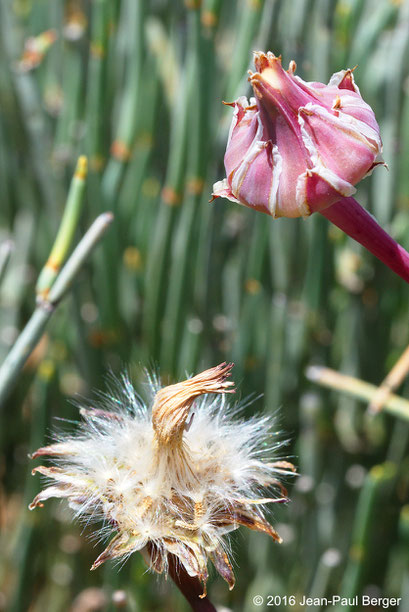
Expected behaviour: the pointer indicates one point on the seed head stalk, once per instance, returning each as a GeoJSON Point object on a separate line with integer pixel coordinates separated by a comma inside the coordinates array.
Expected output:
{"type": "Point", "coordinates": [189, 586]}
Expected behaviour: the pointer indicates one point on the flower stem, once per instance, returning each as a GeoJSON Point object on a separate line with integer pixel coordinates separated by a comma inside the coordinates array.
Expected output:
{"type": "Point", "coordinates": [351, 218]}
{"type": "Point", "coordinates": [190, 586]}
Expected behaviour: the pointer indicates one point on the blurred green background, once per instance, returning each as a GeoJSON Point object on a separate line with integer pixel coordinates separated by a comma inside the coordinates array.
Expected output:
{"type": "Point", "coordinates": [180, 284]}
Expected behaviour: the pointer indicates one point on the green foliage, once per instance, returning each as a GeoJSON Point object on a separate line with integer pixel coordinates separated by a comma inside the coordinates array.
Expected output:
{"type": "Point", "coordinates": [180, 284]}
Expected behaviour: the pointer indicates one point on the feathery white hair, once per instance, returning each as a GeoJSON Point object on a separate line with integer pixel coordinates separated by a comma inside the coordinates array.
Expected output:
{"type": "Point", "coordinates": [163, 484]}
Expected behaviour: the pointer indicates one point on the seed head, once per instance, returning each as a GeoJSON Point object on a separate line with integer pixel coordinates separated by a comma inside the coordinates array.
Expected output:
{"type": "Point", "coordinates": [166, 485]}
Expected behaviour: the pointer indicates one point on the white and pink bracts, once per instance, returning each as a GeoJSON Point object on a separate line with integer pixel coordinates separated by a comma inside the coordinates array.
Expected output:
{"type": "Point", "coordinates": [298, 148]}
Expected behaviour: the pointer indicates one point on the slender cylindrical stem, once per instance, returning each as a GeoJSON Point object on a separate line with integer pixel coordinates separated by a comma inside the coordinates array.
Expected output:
{"type": "Point", "coordinates": [372, 497]}
{"type": "Point", "coordinates": [66, 230]}
{"type": "Point", "coordinates": [6, 249]}
{"type": "Point", "coordinates": [355, 221]}
{"type": "Point", "coordinates": [35, 327]}
{"type": "Point", "coordinates": [393, 380]}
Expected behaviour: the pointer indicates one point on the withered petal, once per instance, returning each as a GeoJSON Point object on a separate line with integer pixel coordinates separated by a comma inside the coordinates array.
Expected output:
{"type": "Point", "coordinates": [256, 523]}
{"type": "Point", "coordinates": [122, 544]}
{"type": "Point", "coordinates": [283, 465]}
{"type": "Point", "coordinates": [55, 450]}
{"type": "Point", "coordinates": [221, 562]}
{"type": "Point", "coordinates": [283, 490]}
{"type": "Point", "coordinates": [190, 555]}
{"type": "Point", "coordinates": [263, 500]}
{"type": "Point", "coordinates": [74, 479]}
{"type": "Point", "coordinates": [47, 471]}
{"type": "Point", "coordinates": [60, 490]}
{"type": "Point", "coordinates": [193, 559]}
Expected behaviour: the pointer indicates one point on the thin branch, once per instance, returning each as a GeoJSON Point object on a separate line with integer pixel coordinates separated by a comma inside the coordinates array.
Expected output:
{"type": "Point", "coordinates": [395, 405]}
{"type": "Point", "coordinates": [31, 334]}
{"type": "Point", "coordinates": [393, 380]}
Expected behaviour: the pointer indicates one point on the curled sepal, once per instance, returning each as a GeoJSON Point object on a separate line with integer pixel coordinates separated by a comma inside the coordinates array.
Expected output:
{"type": "Point", "coordinates": [123, 544]}
{"type": "Point", "coordinates": [344, 79]}
{"type": "Point", "coordinates": [221, 562]}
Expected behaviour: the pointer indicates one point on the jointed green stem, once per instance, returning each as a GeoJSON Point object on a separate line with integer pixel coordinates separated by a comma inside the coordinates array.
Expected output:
{"type": "Point", "coordinates": [35, 327]}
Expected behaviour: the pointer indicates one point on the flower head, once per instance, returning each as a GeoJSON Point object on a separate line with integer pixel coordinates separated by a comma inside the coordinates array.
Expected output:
{"type": "Point", "coordinates": [172, 478]}
{"type": "Point", "coordinates": [298, 147]}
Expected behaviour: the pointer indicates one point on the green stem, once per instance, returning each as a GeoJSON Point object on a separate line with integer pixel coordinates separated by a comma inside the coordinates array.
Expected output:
{"type": "Point", "coordinates": [377, 480]}
{"type": "Point", "coordinates": [121, 152]}
{"type": "Point", "coordinates": [327, 563]}
{"type": "Point", "coordinates": [95, 103]}
{"type": "Point", "coordinates": [122, 146]}
{"type": "Point", "coordinates": [6, 248]}
{"type": "Point", "coordinates": [159, 251]}
{"type": "Point", "coordinates": [29, 529]}
{"type": "Point", "coordinates": [248, 25]}
{"type": "Point", "coordinates": [29, 111]}
{"type": "Point", "coordinates": [66, 230]}
{"type": "Point", "coordinates": [35, 327]}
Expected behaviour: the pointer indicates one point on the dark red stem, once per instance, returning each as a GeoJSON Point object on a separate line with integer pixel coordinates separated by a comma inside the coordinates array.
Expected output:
{"type": "Point", "coordinates": [351, 218]}
{"type": "Point", "coordinates": [191, 587]}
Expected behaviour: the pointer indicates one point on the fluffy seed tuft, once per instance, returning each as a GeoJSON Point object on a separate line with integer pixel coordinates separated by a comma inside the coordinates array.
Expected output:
{"type": "Point", "coordinates": [162, 484]}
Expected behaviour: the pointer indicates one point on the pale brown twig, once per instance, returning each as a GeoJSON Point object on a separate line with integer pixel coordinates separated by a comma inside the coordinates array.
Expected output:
{"type": "Point", "coordinates": [393, 380]}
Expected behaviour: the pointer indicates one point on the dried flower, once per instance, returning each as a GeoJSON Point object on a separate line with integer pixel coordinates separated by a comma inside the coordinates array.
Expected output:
{"type": "Point", "coordinates": [298, 148]}
{"type": "Point", "coordinates": [172, 478]}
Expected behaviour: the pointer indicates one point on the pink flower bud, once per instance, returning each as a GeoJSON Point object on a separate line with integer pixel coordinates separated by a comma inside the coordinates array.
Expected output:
{"type": "Point", "coordinates": [298, 147]}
